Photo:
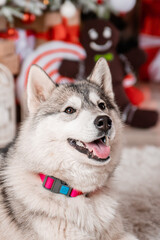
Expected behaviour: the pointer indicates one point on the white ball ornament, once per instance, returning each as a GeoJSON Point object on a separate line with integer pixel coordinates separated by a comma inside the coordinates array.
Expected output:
{"type": "Point", "coordinates": [122, 6]}
{"type": "Point", "coordinates": [2, 2]}
{"type": "Point", "coordinates": [68, 9]}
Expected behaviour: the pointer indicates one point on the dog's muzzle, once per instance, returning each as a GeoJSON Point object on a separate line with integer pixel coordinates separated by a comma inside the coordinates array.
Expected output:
{"type": "Point", "coordinates": [98, 150]}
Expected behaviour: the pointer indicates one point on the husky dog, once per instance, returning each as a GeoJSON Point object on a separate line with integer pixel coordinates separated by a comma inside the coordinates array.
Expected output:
{"type": "Point", "coordinates": [71, 141]}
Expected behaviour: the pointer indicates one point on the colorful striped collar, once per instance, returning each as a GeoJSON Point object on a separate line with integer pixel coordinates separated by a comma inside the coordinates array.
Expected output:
{"type": "Point", "coordinates": [56, 185]}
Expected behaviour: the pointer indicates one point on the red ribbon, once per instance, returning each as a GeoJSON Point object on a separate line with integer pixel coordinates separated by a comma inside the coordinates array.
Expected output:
{"type": "Point", "coordinates": [10, 34]}
{"type": "Point", "coordinates": [62, 31]}
{"type": "Point", "coordinates": [13, 34]}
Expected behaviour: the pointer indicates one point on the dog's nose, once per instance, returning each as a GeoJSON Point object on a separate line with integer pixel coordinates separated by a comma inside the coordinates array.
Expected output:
{"type": "Point", "coordinates": [103, 123]}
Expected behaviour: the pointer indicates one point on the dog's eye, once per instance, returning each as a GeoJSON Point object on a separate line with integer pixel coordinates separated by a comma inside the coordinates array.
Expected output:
{"type": "Point", "coordinates": [102, 106]}
{"type": "Point", "coordinates": [69, 110]}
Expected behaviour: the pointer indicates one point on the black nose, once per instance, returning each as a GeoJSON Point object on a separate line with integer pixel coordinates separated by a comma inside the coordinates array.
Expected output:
{"type": "Point", "coordinates": [103, 123]}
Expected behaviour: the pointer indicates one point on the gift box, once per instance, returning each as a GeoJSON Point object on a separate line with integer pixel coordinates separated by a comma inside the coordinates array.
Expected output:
{"type": "Point", "coordinates": [54, 18]}
{"type": "Point", "coordinates": [3, 23]}
{"type": "Point", "coordinates": [12, 62]}
{"type": "Point", "coordinates": [51, 19]}
{"type": "Point", "coordinates": [7, 47]}
{"type": "Point", "coordinates": [59, 28]}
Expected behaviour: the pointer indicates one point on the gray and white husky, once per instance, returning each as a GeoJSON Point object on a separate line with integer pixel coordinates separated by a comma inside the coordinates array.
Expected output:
{"type": "Point", "coordinates": [71, 139]}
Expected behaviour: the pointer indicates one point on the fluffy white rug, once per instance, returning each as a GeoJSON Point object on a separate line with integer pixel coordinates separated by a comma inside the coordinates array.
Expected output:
{"type": "Point", "coordinates": [138, 180]}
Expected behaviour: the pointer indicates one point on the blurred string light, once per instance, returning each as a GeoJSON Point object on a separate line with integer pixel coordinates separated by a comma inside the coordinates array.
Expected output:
{"type": "Point", "coordinates": [46, 2]}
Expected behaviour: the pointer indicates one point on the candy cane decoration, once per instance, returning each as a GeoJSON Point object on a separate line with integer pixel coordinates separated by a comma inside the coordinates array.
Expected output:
{"type": "Point", "coordinates": [49, 57]}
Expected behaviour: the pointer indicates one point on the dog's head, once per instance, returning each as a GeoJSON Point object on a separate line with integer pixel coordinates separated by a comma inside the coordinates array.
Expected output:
{"type": "Point", "coordinates": [74, 129]}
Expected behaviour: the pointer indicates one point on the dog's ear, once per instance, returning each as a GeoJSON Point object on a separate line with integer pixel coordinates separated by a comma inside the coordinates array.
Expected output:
{"type": "Point", "coordinates": [102, 77]}
{"type": "Point", "coordinates": [39, 87]}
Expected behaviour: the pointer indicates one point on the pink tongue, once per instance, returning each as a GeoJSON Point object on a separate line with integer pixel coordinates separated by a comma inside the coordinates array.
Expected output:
{"type": "Point", "coordinates": [99, 149]}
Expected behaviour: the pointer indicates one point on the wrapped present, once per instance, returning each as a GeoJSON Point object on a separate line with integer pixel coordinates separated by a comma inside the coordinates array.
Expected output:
{"type": "Point", "coordinates": [45, 34]}
{"type": "Point", "coordinates": [54, 18]}
{"type": "Point", "coordinates": [60, 26]}
{"type": "Point", "coordinates": [3, 24]}
{"type": "Point", "coordinates": [7, 47]}
{"type": "Point", "coordinates": [7, 106]}
{"type": "Point", "coordinates": [19, 41]}
{"type": "Point", "coordinates": [12, 62]}
{"type": "Point", "coordinates": [51, 19]}
{"type": "Point", "coordinates": [8, 55]}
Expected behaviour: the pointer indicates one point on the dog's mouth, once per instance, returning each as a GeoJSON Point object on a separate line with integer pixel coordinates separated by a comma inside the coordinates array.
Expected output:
{"type": "Point", "coordinates": [98, 150]}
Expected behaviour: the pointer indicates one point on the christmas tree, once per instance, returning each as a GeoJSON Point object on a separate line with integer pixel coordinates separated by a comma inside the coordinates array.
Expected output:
{"type": "Point", "coordinates": [28, 9]}
{"type": "Point", "coordinates": [15, 8]}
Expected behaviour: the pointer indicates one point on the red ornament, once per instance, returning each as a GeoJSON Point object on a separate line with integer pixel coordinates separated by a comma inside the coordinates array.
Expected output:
{"type": "Point", "coordinates": [12, 33]}
{"type": "Point", "coordinates": [100, 1]}
{"type": "Point", "coordinates": [28, 18]}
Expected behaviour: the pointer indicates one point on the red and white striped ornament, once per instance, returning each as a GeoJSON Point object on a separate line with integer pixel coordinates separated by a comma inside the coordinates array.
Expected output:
{"type": "Point", "coordinates": [49, 56]}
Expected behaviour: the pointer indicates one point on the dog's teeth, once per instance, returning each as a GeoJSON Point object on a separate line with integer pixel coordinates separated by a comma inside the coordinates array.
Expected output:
{"type": "Point", "coordinates": [107, 141]}
{"type": "Point", "coordinates": [79, 144]}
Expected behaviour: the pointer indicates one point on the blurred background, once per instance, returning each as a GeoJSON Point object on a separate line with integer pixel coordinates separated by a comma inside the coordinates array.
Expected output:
{"type": "Point", "coordinates": [58, 35]}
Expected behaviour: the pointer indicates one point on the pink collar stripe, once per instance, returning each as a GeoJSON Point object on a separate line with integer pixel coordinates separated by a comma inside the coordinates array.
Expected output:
{"type": "Point", "coordinates": [56, 185]}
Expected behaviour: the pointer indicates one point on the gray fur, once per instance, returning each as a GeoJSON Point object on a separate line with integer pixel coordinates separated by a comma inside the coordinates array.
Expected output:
{"type": "Point", "coordinates": [81, 89]}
